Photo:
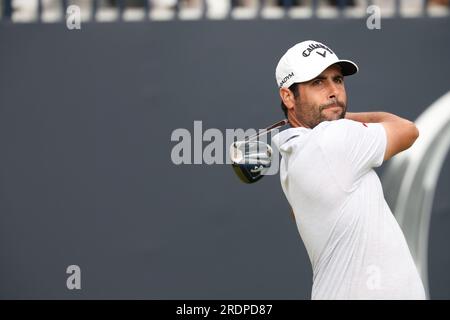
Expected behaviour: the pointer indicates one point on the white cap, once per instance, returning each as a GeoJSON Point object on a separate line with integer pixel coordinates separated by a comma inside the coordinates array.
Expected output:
{"type": "Point", "coordinates": [306, 60]}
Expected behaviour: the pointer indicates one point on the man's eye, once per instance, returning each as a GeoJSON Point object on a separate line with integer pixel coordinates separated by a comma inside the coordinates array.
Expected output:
{"type": "Point", "coordinates": [339, 80]}
{"type": "Point", "coordinates": [317, 82]}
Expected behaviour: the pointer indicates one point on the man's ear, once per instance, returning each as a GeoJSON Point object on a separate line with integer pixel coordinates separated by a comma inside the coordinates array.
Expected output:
{"type": "Point", "coordinates": [287, 96]}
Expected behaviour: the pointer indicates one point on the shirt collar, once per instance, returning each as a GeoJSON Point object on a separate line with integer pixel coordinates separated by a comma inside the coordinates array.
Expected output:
{"type": "Point", "coordinates": [281, 138]}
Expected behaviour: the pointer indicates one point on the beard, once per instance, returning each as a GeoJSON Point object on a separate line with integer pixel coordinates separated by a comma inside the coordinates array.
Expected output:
{"type": "Point", "coordinates": [334, 103]}
{"type": "Point", "coordinates": [313, 115]}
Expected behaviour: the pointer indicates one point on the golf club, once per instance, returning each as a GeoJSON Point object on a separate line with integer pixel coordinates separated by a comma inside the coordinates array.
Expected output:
{"type": "Point", "coordinates": [250, 159]}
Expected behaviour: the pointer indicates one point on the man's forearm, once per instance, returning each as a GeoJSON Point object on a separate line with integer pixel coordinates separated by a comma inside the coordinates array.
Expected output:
{"type": "Point", "coordinates": [370, 117]}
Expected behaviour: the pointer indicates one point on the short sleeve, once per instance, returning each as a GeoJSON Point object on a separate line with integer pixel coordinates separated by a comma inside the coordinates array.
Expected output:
{"type": "Point", "coordinates": [353, 148]}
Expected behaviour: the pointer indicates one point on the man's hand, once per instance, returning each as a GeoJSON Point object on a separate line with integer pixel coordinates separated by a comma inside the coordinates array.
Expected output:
{"type": "Point", "coordinates": [401, 133]}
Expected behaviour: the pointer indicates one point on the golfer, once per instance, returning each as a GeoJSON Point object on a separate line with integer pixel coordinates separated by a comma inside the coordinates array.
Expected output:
{"type": "Point", "coordinates": [356, 247]}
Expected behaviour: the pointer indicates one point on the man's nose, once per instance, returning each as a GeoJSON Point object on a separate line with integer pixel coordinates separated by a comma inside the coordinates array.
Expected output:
{"type": "Point", "coordinates": [333, 91]}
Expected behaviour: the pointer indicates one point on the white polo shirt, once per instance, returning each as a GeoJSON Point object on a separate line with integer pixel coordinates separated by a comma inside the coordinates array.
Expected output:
{"type": "Point", "coordinates": [356, 247]}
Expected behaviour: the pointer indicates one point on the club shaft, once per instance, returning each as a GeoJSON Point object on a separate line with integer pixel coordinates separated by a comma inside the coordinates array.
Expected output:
{"type": "Point", "coordinates": [268, 129]}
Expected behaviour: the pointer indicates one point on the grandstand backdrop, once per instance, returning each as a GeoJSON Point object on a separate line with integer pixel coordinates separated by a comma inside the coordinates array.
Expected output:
{"type": "Point", "coordinates": [86, 118]}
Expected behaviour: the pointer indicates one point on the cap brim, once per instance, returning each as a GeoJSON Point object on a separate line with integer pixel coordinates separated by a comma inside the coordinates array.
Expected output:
{"type": "Point", "coordinates": [348, 67]}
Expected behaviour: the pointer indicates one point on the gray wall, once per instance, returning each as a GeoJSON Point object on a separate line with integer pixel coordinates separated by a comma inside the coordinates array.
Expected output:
{"type": "Point", "coordinates": [86, 176]}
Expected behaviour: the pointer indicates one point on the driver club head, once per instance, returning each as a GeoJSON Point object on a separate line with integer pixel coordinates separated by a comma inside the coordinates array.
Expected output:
{"type": "Point", "coordinates": [250, 159]}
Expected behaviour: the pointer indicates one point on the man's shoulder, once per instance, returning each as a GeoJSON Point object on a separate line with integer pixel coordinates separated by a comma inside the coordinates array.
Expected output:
{"type": "Point", "coordinates": [337, 124]}
{"type": "Point", "coordinates": [336, 135]}
{"type": "Point", "coordinates": [338, 128]}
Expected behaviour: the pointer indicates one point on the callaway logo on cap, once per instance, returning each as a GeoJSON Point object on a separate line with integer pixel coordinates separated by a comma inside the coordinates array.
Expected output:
{"type": "Point", "coordinates": [306, 60]}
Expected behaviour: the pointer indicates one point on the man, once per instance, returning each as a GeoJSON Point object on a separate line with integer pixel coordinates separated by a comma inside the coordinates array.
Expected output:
{"type": "Point", "coordinates": [356, 247]}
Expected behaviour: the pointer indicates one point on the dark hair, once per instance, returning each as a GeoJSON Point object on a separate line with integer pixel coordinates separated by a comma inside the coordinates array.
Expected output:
{"type": "Point", "coordinates": [294, 88]}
